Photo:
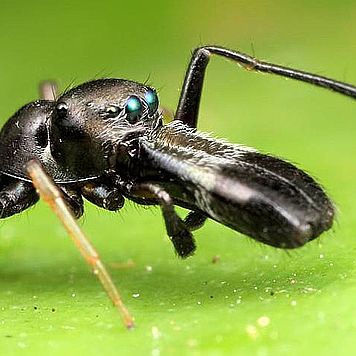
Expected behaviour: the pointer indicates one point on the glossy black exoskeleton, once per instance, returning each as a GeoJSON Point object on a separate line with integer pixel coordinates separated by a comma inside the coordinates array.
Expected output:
{"type": "Point", "coordinates": [105, 140]}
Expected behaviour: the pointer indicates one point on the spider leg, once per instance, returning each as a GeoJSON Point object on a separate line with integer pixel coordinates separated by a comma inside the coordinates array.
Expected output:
{"type": "Point", "coordinates": [177, 230]}
{"type": "Point", "coordinates": [195, 220]}
{"type": "Point", "coordinates": [73, 199]}
{"type": "Point", "coordinates": [101, 194]}
{"type": "Point", "coordinates": [48, 90]}
{"type": "Point", "coordinates": [52, 195]}
{"type": "Point", "coordinates": [189, 100]}
{"type": "Point", "coordinates": [15, 196]}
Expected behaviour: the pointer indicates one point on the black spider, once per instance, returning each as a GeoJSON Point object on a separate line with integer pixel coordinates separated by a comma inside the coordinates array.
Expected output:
{"type": "Point", "coordinates": [105, 140]}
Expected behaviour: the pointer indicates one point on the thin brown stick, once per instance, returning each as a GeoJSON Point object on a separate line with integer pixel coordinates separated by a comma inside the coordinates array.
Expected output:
{"type": "Point", "coordinates": [51, 194]}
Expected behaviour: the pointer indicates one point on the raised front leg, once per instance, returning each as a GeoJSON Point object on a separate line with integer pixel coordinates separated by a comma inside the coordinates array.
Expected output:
{"type": "Point", "coordinates": [16, 196]}
{"type": "Point", "coordinates": [189, 100]}
{"type": "Point", "coordinates": [177, 230]}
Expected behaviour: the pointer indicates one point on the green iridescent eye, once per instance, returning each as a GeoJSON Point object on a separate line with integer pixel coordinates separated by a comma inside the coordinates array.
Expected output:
{"type": "Point", "coordinates": [133, 109]}
{"type": "Point", "coordinates": [152, 101]}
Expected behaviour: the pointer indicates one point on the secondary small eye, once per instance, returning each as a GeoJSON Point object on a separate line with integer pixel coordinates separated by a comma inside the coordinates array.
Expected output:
{"type": "Point", "coordinates": [133, 109]}
{"type": "Point", "coordinates": [152, 101]}
{"type": "Point", "coordinates": [62, 110]}
{"type": "Point", "coordinates": [112, 111]}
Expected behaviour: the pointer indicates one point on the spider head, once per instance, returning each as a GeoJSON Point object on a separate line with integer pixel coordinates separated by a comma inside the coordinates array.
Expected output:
{"type": "Point", "coordinates": [92, 120]}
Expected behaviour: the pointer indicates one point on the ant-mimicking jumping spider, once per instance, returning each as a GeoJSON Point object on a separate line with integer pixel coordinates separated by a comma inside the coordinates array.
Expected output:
{"type": "Point", "coordinates": [105, 141]}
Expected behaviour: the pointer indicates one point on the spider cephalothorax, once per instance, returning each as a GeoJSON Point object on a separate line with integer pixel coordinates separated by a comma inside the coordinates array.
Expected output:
{"type": "Point", "coordinates": [95, 118]}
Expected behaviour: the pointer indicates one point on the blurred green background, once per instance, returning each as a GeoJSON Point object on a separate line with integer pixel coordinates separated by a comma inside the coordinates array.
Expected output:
{"type": "Point", "coordinates": [255, 300]}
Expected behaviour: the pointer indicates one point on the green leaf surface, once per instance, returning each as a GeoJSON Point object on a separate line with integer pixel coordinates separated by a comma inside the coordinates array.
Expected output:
{"type": "Point", "coordinates": [254, 300]}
